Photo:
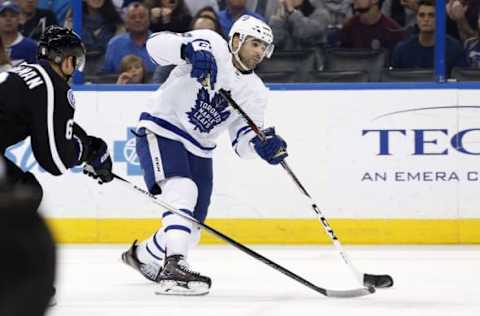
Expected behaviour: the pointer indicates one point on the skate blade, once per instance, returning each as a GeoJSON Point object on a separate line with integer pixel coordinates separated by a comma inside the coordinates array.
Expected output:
{"type": "Point", "coordinates": [175, 288]}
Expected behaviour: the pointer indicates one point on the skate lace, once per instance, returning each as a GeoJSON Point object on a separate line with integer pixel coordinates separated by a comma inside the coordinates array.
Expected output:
{"type": "Point", "coordinates": [186, 268]}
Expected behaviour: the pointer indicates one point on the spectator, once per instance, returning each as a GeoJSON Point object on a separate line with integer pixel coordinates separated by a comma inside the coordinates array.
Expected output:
{"type": "Point", "coordinates": [207, 18]}
{"type": "Point", "coordinates": [369, 28]}
{"type": "Point", "coordinates": [132, 70]}
{"type": "Point", "coordinates": [257, 6]}
{"type": "Point", "coordinates": [33, 21]}
{"type": "Point", "coordinates": [472, 49]}
{"type": "Point", "coordinates": [58, 7]}
{"type": "Point", "coordinates": [130, 42]}
{"type": "Point", "coordinates": [169, 15]}
{"type": "Point", "coordinates": [120, 4]}
{"type": "Point", "coordinates": [462, 18]}
{"type": "Point", "coordinates": [205, 23]}
{"type": "Point", "coordinates": [234, 10]}
{"type": "Point", "coordinates": [299, 23]}
{"type": "Point", "coordinates": [194, 6]}
{"type": "Point", "coordinates": [101, 22]}
{"type": "Point", "coordinates": [418, 50]}
{"type": "Point", "coordinates": [271, 6]}
{"type": "Point", "coordinates": [338, 11]}
{"type": "Point", "coordinates": [251, 5]}
{"type": "Point", "coordinates": [403, 12]}
{"type": "Point", "coordinates": [208, 11]}
{"type": "Point", "coordinates": [5, 63]}
{"type": "Point", "coordinates": [68, 20]}
{"type": "Point", "coordinates": [21, 48]}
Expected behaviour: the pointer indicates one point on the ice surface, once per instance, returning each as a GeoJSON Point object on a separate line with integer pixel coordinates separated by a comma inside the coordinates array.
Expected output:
{"type": "Point", "coordinates": [429, 280]}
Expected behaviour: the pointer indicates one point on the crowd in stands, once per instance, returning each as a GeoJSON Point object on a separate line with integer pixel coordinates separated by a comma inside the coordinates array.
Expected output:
{"type": "Point", "coordinates": [115, 32]}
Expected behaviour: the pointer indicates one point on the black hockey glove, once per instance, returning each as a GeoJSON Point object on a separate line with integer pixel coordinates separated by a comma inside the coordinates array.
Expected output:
{"type": "Point", "coordinates": [98, 163]}
{"type": "Point", "coordinates": [198, 53]}
{"type": "Point", "coordinates": [273, 149]}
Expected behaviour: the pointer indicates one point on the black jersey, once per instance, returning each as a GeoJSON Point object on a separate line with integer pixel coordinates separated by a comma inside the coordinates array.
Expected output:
{"type": "Point", "coordinates": [35, 101]}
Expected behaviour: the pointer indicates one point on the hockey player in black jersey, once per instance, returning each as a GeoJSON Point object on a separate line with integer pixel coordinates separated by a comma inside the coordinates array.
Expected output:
{"type": "Point", "coordinates": [37, 101]}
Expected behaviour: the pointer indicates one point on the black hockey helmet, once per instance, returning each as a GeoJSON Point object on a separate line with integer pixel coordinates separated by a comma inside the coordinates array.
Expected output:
{"type": "Point", "coordinates": [58, 42]}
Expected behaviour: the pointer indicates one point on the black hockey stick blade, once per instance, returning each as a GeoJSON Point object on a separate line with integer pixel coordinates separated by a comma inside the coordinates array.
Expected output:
{"type": "Point", "coordinates": [330, 293]}
{"type": "Point", "coordinates": [379, 281]}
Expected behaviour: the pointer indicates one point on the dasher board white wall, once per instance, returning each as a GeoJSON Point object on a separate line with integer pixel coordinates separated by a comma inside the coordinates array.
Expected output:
{"type": "Point", "coordinates": [394, 161]}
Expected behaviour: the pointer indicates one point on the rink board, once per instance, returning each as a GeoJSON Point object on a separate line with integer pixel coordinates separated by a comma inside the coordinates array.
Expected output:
{"type": "Point", "coordinates": [280, 231]}
{"type": "Point", "coordinates": [386, 166]}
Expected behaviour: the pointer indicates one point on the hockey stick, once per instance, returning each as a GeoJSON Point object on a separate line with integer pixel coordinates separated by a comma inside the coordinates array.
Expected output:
{"type": "Point", "coordinates": [380, 281]}
{"type": "Point", "coordinates": [248, 251]}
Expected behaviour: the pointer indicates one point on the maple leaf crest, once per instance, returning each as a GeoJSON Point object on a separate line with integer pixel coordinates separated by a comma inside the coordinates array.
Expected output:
{"type": "Point", "coordinates": [205, 114]}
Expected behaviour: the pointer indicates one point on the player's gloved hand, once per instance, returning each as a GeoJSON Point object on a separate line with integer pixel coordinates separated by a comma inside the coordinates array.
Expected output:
{"type": "Point", "coordinates": [98, 163]}
{"type": "Point", "coordinates": [199, 54]}
{"type": "Point", "coordinates": [273, 149]}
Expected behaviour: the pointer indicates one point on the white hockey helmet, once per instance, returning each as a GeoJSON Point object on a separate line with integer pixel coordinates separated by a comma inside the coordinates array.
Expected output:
{"type": "Point", "coordinates": [248, 25]}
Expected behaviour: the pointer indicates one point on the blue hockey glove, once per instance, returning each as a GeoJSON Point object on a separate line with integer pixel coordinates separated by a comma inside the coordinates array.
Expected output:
{"type": "Point", "coordinates": [199, 54]}
{"type": "Point", "coordinates": [273, 149]}
{"type": "Point", "coordinates": [98, 163]}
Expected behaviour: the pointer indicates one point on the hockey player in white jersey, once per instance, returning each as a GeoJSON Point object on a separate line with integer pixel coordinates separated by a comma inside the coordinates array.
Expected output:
{"type": "Point", "coordinates": [176, 139]}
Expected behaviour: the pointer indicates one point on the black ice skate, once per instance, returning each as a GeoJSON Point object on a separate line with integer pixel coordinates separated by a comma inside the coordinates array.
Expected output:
{"type": "Point", "coordinates": [177, 279]}
{"type": "Point", "coordinates": [149, 271]}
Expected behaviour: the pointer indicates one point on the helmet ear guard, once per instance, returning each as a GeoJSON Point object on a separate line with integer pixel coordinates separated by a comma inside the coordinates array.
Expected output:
{"type": "Point", "coordinates": [49, 54]}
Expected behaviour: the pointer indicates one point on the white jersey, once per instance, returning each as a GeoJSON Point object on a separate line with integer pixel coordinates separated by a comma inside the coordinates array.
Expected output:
{"type": "Point", "coordinates": [183, 110]}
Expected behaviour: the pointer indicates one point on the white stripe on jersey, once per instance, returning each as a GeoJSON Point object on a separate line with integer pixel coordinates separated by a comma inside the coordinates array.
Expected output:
{"type": "Point", "coordinates": [156, 157]}
{"type": "Point", "coordinates": [50, 123]}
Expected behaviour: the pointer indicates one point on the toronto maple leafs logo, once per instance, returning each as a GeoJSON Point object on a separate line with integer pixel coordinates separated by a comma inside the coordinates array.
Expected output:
{"type": "Point", "coordinates": [206, 113]}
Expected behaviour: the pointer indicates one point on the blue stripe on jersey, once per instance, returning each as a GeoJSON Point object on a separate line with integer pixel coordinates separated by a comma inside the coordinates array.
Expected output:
{"type": "Point", "coordinates": [167, 213]}
{"type": "Point", "coordinates": [187, 212]}
{"type": "Point", "coordinates": [172, 128]}
{"type": "Point", "coordinates": [178, 227]}
{"type": "Point", "coordinates": [242, 131]}
{"type": "Point", "coordinates": [157, 244]}
{"type": "Point", "coordinates": [152, 254]}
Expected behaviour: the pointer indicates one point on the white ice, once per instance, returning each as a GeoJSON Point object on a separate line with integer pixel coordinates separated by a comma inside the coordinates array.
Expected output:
{"type": "Point", "coordinates": [429, 281]}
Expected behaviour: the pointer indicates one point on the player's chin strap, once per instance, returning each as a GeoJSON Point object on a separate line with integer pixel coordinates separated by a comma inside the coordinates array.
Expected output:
{"type": "Point", "coordinates": [237, 58]}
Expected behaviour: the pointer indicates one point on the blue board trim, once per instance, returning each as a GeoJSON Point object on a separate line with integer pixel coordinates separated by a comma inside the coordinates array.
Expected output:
{"type": "Point", "coordinates": [306, 86]}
